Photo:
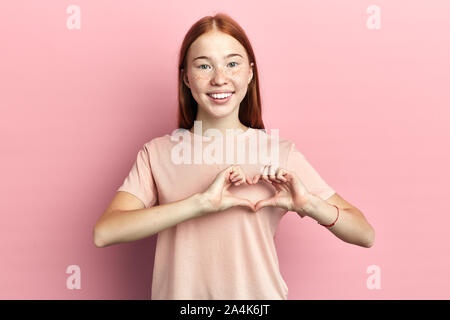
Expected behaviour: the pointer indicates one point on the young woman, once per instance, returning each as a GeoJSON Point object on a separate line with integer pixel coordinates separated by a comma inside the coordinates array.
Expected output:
{"type": "Point", "coordinates": [216, 221]}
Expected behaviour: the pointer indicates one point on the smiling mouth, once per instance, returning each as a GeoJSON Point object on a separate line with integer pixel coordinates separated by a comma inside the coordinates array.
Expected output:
{"type": "Point", "coordinates": [221, 99]}
{"type": "Point", "coordinates": [221, 96]}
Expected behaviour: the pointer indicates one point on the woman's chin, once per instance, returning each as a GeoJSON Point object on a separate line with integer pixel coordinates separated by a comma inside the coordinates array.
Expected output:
{"type": "Point", "coordinates": [220, 111]}
{"type": "Point", "coordinates": [221, 114]}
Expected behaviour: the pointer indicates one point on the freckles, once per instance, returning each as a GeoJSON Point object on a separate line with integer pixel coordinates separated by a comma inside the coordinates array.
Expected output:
{"type": "Point", "coordinates": [200, 77]}
{"type": "Point", "coordinates": [237, 72]}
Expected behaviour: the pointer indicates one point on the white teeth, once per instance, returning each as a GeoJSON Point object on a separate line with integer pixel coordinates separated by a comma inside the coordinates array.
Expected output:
{"type": "Point", "coordinates": [220, 95]}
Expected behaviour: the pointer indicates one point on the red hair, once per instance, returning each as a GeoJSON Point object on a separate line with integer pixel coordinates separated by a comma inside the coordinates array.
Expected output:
{"type": "Point", "coordinates": [250, 107]}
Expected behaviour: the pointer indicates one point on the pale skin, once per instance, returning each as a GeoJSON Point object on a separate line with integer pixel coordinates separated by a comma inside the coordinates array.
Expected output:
{"type": "Point", "coordinates": [126, 218]}
{"type": "Point", "coordinates": [216, 72]}
{"type": "Point", "coordinates": [292, 195]}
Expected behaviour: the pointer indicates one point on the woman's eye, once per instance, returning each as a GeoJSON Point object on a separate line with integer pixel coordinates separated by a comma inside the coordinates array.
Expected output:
{"type": "Point", "coordinates": [235, 64]}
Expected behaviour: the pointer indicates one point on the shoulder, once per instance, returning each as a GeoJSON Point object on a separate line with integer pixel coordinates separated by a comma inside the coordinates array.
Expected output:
{"type": "Point", "coordinates": [285, 145]}
{"type": "Point", "coordinates": [160, 141]}
{"type": "Point", "coordinates": [163, 144]}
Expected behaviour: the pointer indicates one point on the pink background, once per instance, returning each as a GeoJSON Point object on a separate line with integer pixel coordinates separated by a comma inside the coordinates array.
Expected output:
{"type": "Point", "coordinates": [368, 108]}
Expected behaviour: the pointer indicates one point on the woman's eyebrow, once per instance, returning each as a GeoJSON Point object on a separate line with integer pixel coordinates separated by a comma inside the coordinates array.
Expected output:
{"type": "Point", "coordinates": [227, 56]}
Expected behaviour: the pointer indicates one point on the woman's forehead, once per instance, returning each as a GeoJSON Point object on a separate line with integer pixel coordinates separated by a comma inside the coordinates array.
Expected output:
{"type": "Point", "coordinates": [216, 45]}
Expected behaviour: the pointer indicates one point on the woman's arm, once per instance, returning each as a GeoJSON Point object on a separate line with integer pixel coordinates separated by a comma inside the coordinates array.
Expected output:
{"type": "Point", "coordinates": [123, 223]}
{"type": "Point", "coordinates": [351, 225]}
{"type": "Point", "coordinates": [292, 195]}
{"type": "Point", "coordinates": [130, 225]}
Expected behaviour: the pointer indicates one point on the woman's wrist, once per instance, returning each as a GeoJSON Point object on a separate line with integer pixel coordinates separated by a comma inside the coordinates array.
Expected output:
{"type": "Point", "coordinates": [309, 206]}
{"type": "Point", "coordinates": [320, 210]}
{"type": "Point", "coordinates": [202, 203]}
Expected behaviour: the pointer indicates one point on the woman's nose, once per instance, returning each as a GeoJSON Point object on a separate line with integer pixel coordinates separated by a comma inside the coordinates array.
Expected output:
{"type": "Point", "coordinates": [219, 76]}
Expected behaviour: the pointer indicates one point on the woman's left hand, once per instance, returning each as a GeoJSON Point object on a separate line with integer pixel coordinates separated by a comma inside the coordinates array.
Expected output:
{"type": "Point", "coordinates": [291, 194]}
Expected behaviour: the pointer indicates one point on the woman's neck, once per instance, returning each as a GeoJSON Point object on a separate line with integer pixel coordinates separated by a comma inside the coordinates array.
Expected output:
{"type": "Point", "coordinates": [222, 126]}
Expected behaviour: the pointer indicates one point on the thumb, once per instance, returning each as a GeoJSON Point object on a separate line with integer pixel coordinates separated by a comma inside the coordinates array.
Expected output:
{"type": "Point", "coordinates": [243, 202]}
{"type": "Point", "coordinates": [221, 180]}
{"type": "Point", "coordinates": [264, 203]}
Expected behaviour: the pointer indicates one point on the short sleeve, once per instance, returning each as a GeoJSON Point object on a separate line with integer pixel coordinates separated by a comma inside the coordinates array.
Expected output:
{"type": "Point", "coordinates": [140, 181]}
{"type": "Point", "coordinates": [308, 175]}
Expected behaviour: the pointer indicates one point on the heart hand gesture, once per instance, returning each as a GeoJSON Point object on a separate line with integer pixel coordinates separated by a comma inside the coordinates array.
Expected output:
{"type": "Point", "coordinates": [219, 198]}
{"type": "Point", "coordinates": [291, 194]}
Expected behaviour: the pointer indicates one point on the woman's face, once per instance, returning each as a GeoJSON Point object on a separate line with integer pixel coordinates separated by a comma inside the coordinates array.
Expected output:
{"type": "Point", "coordinates": [215, 72]}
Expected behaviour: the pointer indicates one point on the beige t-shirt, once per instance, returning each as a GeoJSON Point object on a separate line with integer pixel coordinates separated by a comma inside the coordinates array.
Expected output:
{"type": "Point", "coordinates": [227, 255]}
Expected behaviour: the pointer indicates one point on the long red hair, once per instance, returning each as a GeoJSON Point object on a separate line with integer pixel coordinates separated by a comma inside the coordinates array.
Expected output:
{"type": "Point", "coordinates": [250, 107]}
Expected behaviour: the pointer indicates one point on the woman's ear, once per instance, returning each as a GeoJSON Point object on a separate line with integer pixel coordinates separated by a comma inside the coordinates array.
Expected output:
{"type": "Point", "coordinates": [251, 73]}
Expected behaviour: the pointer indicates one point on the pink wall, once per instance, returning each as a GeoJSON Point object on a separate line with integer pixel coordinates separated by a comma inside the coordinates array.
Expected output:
{"type": "Point", "coordinates": [368, 107]}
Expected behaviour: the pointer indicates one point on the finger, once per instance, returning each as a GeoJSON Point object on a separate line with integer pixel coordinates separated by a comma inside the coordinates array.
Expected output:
{"type": "Point", "coordinates": [265, 176]}
{"type": "Point", "coordinates": [280, 175]}
{"type": "Point", "coordinates": [256, 179]}
{"type": "Point", "coordinates": [226, 173]}
{"type": "Point", "coordinates": [233, 175]}
{"type": "Point", "coordinates": [243, 203]}
{"type": "Point", "coordinates": [230, 172]}
{"type": "Point", "coordinates": [279, 186]}
{"type": "Point", "coordinates": [289, 175]}
{"type": "Point", "coordinates": [263, 203]}
{"type": "Point", "coordinates": [271, 173]}
{"type": "Point", "coordinates": [239, 181]}
{"type": "Point", "coordinates": [277, 183]}
{"type": "Point", "coordinates": [238, 176]}
{"type": "Point", "coordinates": [220, 180]}
{"type": "Point", "coordinates": [237, 170]}
{"type": "Point", "coordinates": [248, 180]}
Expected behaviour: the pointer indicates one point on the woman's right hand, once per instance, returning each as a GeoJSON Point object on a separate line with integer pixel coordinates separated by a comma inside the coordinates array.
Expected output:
{"type": "Point", "coordinates": [217, 197]}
